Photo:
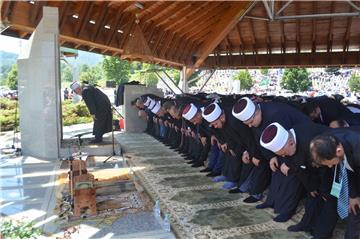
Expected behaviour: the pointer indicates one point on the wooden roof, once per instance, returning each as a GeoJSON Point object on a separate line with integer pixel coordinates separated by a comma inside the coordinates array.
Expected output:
{"type": "Point", "coordinates": [208, 34]}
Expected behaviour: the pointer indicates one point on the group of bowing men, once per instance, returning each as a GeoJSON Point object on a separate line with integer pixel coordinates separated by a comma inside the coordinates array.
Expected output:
{"type": "Point", "coordinates": [296, 147]}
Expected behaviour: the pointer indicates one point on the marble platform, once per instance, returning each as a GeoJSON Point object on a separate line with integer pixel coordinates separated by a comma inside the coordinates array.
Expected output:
{"type": "Point", "coordinates": [198, 208]}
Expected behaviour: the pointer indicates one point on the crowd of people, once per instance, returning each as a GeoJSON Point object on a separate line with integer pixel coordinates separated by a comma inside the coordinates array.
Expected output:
{"type": "Point", "coordinates": [295, 148]}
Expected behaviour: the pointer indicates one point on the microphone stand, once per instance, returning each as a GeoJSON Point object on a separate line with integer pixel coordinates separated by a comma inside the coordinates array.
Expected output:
{"type": "Point", "coordinates": [112, 133]}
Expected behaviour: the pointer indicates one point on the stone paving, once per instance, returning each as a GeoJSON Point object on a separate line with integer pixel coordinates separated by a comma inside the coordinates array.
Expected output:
{"type": "Point", "coordinates": [198, 207]}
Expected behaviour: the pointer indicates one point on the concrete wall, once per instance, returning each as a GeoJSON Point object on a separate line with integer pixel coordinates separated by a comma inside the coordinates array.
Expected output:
{"type": "Point", "coordinates": [132, 121]}
{"type": "Point", "coordinates": [39, 89]}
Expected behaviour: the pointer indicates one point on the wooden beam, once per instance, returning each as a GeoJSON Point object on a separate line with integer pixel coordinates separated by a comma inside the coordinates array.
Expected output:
{"type": "Point", "coordinates": [268, 38]}
{"type": "Point", "coordinates": [196, 7]}
{"type": "Point", "coordinates": [176, 15]}
{"type": "Point", "coordinates": [100, 21]}
{"type": "Point", "coordinates": [127, 32]}
{"type": "Point", "coordinates": [171, 13]}
{"type": "Point", "coordinates": [241, 45]}
{"type": "Point", "coordinates": [148, 9]}
{"type": "Point", "coordinates": [226, 24]}
{"type": "Point", "coordinates": [203, 15]}
{"type": "Point", "coordinates": [117, 23]}
{"type": "Point", "coordinates": [7, 8]}
{"type": "Point", "coordinates": [252, 34]}
{"type": "Point", "coordinates": [35, 12]}
{"type": "Point", "coordinates": [314, 26]}
{"type": "Point", "coordinates": [64, 14]}
{"type": "Point", "coordinates": [318, 59]}
{"type": "Point", "coordinates": [160, 10]}
{"type": "Point", "coordinates": [157, 44]}
{"type": "Point", "coordinates": [283, 37]}
{"type": "Point", "coordinates": [167, 42]}
{"type": "Point", "coordinates": [331, 26]}
{"type": "Point", "coordinates": [84, 17]}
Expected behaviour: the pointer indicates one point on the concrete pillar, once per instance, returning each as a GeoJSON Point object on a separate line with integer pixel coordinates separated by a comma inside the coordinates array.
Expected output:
{"type": "Point", "coordinates": [132, 121]}
{"type": "Point", "coordinates": [185, 85]}
{"type": "Point", "coordinates": [39, 89]}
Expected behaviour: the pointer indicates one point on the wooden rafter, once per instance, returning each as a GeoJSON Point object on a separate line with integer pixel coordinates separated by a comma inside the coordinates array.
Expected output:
{"type": "Point", "coordinates": [241, 45]}
{"type": "Point", "coordinates": [331, 27]}
{"type": "Point", "coordinates": [35, 17]}
{"type": "Point", "coordinates": [117, 23]}
{"type": "Point", "coordinates": [252, 34]}
{"type": "Point", "coordinates": [195, 7]}
{"type": "Point", "coordinates": [226, 24]}
{"type": "Point", "coordinates": [149, 7]}
{"type": "Point", "coordinates": [268, 38]}
{"type": "Point", "coordinates": [347, 34]}
{"type": "Point", "coordinates": [127, 32]}
{"type": "Point", "coordinates": [158, 42]}
{"type": "Point", "coordinates": [64, 14]}
{"type": "Point", "coordinates": [84, 17]}
{"type": "Point", "coordinates": [198, 17]}
{"type": "Point", "coordinates": [297, 30]}
{"type": "Point", "coordinates": [171, 14]}
{"type": "Point", "coordinates": [205, 25]}
{"type": "Point", "coordinates": [313, 46]}
{"type": "Point", "coordinates": [100, 21]}
{"type": "Point", "coordinates": [158, 12]}
{"type": "Point", "coordinates": [167, 42]}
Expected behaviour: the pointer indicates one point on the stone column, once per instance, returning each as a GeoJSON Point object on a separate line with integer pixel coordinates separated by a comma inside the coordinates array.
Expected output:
{"type": "Point", "coordinates": [39, 89]}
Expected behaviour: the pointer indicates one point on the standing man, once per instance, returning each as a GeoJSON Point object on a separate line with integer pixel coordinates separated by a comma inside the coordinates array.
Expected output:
{"type": "Point", "coordinates": [341, 149]}
{"type": "Point", "coordinates": [99, 107]}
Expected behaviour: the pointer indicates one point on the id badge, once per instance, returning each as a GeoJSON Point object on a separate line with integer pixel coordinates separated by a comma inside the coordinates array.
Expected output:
{"type": "Point", "coordinates": [336, 187]}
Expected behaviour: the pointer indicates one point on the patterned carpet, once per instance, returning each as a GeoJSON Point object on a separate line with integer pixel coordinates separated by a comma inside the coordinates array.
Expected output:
{"type": "Point", "coordinates": [198, 207]}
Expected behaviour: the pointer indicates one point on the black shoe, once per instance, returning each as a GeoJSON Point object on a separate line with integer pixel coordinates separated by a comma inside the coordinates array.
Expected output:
{"type": "Point", "coordinates": [235, 190]}
{"type": "Point", "coordinates": [213, 174]}
{"type": "Point", "coordinates": [196, 165]}
{"type": "Point", "coordinates": [251, 199]}
{"type": "Point", "coordinates": [298, 228]}
{"type": "Point", "coordinates": [283, 217]}
{"type": "Point", "coordinates": [205, 170]}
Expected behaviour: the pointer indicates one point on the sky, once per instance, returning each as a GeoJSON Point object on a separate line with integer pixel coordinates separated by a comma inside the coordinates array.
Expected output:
{"type": "Point", "coordinates": [11, 44]}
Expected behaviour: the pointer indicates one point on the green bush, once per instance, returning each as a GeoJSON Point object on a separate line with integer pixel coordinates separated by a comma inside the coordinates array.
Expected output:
{"type": "Point", "coordinates": [18, 230]}
{"type": "Point", "coordinates": [7, 114]}
{"type": "Point", "coordinates": [75, 113]}
{"type": "Point", "coordinates": [72, 114]}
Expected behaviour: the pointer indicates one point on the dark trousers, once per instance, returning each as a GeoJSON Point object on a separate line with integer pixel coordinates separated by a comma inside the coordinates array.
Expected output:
{"type": "Point", "coordinates": [285, 192]}
{"type": "Point", "coordinates": [353, 226]}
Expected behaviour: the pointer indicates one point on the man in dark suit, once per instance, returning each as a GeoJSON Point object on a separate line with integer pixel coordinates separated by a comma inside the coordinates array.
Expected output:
{"type": "Point", "coordinates": [99, 107]}
{"type": "Point", "coordinates": [340, 148]}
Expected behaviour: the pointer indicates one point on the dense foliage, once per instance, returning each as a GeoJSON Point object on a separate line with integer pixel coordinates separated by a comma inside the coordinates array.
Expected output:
{"type": "Point", "coordinates": [246, 82]}
{"type": "Point", "coordinates": [354, 83]}
{"type": "Point", "coordinates": [72, 114]}
{"type": "Point", "coordinates": [12, 78]}
{"type": "Point", "coordinates": [296, 79]}
{"type": "Point", "coordinates": [18, 230]}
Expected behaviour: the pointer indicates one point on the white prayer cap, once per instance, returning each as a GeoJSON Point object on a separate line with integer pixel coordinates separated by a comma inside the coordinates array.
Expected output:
{"type": "Point", "coordinates": [156, 108]}
{"type": "Point", "coordinates": [151, 104]}
{"type": "Point", "coordinates": [189, 111]}
{"type": "Point", "coordinates": [212, 112]}
{"type": "Point", "coordinates": [244, 109]}
{"type": "Point", "coordinates": [75, 85]}
{"type": "Point", "coordinates": [147, 101]}
{"type": "Point", "coordinates": [274, 137]}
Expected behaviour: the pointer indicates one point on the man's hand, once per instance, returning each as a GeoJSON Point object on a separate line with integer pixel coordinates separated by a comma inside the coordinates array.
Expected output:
{"type": "Point", "coordinates": [94, 117]}
{"type": "Point", "coordinates": [245, 157]}
{"type": "Point", "coordinates": [213, 140]}
{"type": "Point", "coordinates": [224, 147]}
{"type": "Point", "coordinates": [354, 205]}
{"type": "Point", "coordinates": [255, 161]}
{"type": "Point", "coordinates": [203, 140]}
{"type": "Point", "coordinates": [284, 169]}
{"type": "Point", "coordinates": [274, 164]}
{"type": "Point", "coordinates": [314, 194]}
